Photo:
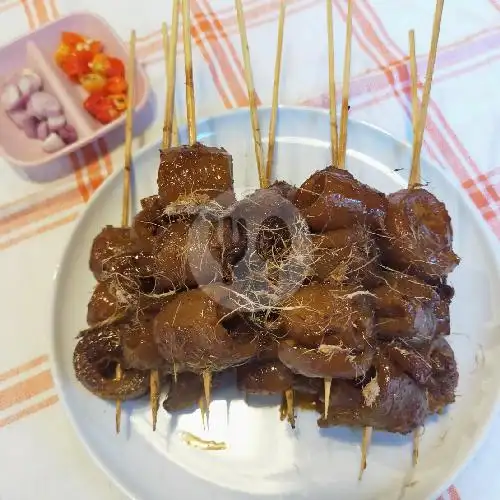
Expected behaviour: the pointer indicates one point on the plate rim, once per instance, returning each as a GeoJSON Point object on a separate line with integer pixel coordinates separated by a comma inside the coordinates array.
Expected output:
{"type": "Point", "coordinates": [56, 279]}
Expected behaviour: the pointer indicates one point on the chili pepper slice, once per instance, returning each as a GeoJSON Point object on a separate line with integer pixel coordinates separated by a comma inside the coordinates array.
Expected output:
{"type": "Point", "coordinates": [115, 85]}
{"type": "Point", "coordinates": [119, 101]}
{"type": "Point", "coordinates": [116, 67]}
{"type": "Point", "coordinates": [76, 64]}
{"type": "Point", "coordinates": [62, 53]}
{"type": "Point", "coordinates": [92, 82]}
{"type": "Point", "coordinates": [101, 108]}
{"type": "Point", "coordinates": [107, 66]}
{"type": "Point", "coordinates": [95, 46]}
{"type": "Point", "coordinates": [72, 39]}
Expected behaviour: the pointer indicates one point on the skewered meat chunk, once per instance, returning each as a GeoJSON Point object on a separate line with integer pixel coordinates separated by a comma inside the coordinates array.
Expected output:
{"type": "Point", "coordinates": [186, 390]}
{"type": "Point", "coordinates": [188, 255]}
{"type": "Point", "coordinates": [187, 331]}
{"type": "Point", "coordinates": [265, 377]}
{"type": "Point", "coordinates": [329, 360]}
{"type": "Point", "coordinates": [409, 308]}
{"type": "Point", "coordinates": [414, 361]}
{"type": "Point", "coordinates": [196, 173]}
{"type": "Point", "coordinates": [95, 357]}
{"type": "Point", "coordinates": [444, 379]}
{"type": "Point", "coordinates": [110, 243]}
{"type": "Point", "coordinates": [317, 311]}
{"type": "Point", "coordinates": [184, 393]}
{"type": "Point", "coordinates": [149, 223]}
{"type": "Point", "coordinates": [274, 250]}
{"type": "Point", "coordinates": [332, 199]}
{"type": "Point", "coordinates": [108, 302]}
{"type": "Point", "coordinates": [418, 234]}
{"type": "Point", "coordinates": [267, 220]}
{"type": "Point", "coordinates": [391, 401]}
{"type": "Point", "coordinates": [139, 347]}
{"type": "Point", "coordinates": [115, 256]}
{"type": "Point", "coordinates": [345, 256]}
{"type": "Point", "coordinates": [284, 189]}
{"type": "Point", "coordinates": [305, 385]}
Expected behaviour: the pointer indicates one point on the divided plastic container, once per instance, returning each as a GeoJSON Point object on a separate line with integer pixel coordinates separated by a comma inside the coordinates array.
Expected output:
{"type": "Point", "coordinates": [36, 51]}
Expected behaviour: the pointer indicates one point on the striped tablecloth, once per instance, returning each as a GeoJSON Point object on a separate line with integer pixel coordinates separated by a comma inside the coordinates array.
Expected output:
{"type": "Point", "coordinates": [39, 454]}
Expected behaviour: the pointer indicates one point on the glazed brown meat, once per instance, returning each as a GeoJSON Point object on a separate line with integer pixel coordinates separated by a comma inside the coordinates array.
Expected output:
{"type": "Point", "coordinates": [149, 223]}
{"type": "Point", "coordinates": [317, 311]}
{"type": "Point", "coordinates": [268, 377]}
{"type": "Point", "coordinates": [444, 379]}
{"type": "Point", "coordinates": [139, 347]}
{"type": "Point", "coordinates": [332, 199]}
{"type": "Point", "coordinates": [329, 360]}
{"type": "Point", "coordinates": [407, 307]}
{"type": "Point", "coordinates": [188, 254]}
{"type": "Point", "coordinates": [418, 234]}
{"type": "Point", "coordinates": [286, 190]}
{"type": "Point", "coordinates": [110, 243]}
{"type": "Point", "coordinates": [394, 402]}
{"type": "Point", "coordinates": [345, 256]}
{"type": "Point", "coordinates": [414, 361]}
{"type": "Point", "coordinates": [195, 173]}
{"type": "Point", "coordinates": [188, 331]}
{"type": "Point", "coordinates": [267, 220]}
{"type": "Point", "coordinates": [94, 360]}
{"type": "Point", "coordinates": [185, 392]}
{"type": "Point", "coordinates": [108, 303]}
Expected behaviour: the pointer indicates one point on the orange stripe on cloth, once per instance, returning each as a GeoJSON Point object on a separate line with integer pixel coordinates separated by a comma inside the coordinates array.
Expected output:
{"type": "Point", "coordinates": [41, 11]}
{"type": "Point", "coordinates": [211, 67]}
{"type": "Point", "coordinates": [234, 77]}
{"type": "Point", "coordinates": [29, 15]}
{"type": "Point", "coordinates": [253, 17]}
{"type": "Point", "coordinates": [30, 410]}
{"type": "Point", "coordinates": [39, 211]}
{"type": "Point", "coordinates": [38, 231]}
{"type": "Point", "coordinates": [93, 166]}
{"type": "Point", "coordinates": [26, 389]}
{"type": "Point", "coordinates": [13, 372]}
{"type": "Point", "coordinates": [108, 162]}
{"type": "Point", "coordinates": [80, 182]}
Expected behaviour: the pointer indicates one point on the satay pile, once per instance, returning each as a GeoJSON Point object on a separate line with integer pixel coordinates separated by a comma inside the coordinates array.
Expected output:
{"type": "Point", "coordinates": [288, 287]}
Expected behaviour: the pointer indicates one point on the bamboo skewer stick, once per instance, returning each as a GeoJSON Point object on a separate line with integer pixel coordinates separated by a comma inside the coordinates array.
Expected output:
{"type": "Point", "coordinates": [415, 174]}
{"type": "Point", "coordinates": [191, 125]}
{"type": "Point", "coordinates": [169, 130]}
{"type": "Point", "coordinates": [288, 396]}
{"type": "Point", "coordinates": [333, 138]}
{"type": "Point", "coordinates": [345, 88]}
{"type": "Point", "coordinates": [170, 125]}
{"type": "Point", "coordinates": [170, 122]}
{"type": "Point", "coordinates": [328, 388]}
{"type": "Point", "coordinates": [252, 96]}
{"type": "Point", "coordinates": [422, 116]}
{"type": "Point", "coordinates": [290, 407]}
{"type": "Point", "coordinates": [188, 67]}
{"type": "Point", "coordinates": [365, 445]}
{"type": "Point", "coordinates": [126, 178]}
{"type": "Point", "coordinates": [276, 86]}
{"type": "Point", "coordinates": [333, 93]}
{"type": "Point", "coordinates": [415, 177]}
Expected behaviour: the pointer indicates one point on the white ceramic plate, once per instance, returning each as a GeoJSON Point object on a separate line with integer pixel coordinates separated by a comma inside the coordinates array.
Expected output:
{"type": "Point", "coordinates": [264, 456]}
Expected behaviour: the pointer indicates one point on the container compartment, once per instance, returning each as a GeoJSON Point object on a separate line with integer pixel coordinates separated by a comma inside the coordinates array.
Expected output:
{"type": "Point", "coordinates": [36, 52]}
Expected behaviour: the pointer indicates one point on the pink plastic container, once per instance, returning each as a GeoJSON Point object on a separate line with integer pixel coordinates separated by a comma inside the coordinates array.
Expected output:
{"type": "Point", "coordinates": [36, 51]}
